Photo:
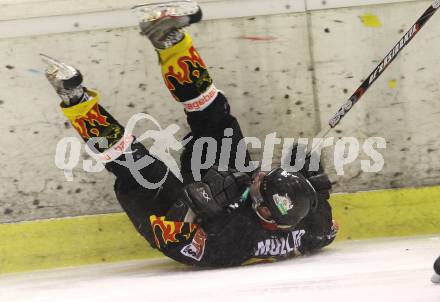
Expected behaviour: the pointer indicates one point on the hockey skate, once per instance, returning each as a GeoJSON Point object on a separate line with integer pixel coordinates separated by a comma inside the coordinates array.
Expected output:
{"type": "Point", "coordinates": [162, 22]}
{"type": "Point", "coordinates": [66, 80]}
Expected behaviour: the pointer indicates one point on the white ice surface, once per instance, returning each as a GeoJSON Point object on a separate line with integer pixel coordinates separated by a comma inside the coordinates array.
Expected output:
{"type": "Point", "coordinates": [377, 270]}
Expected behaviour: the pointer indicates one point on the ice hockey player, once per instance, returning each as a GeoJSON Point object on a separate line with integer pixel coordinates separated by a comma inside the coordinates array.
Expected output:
{"type": "Point", "coordinates": [226, 219]}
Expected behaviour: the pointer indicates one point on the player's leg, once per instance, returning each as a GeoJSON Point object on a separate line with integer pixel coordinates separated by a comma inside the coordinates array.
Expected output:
{"type": "Point", "coordinates": [187, 77]}
{"type": "Point", "coordinates": [207, 109]}
{"type": "Point", "coordinates": [107, 137]}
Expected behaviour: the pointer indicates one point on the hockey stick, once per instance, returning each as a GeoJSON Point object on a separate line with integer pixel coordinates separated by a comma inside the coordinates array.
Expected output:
{"type": "Point", "coordinates": [336, 119]}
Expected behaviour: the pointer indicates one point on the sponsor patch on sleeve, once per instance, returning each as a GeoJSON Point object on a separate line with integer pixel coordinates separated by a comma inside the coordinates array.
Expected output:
{"type": "Point", "coordinates": [196, 249]}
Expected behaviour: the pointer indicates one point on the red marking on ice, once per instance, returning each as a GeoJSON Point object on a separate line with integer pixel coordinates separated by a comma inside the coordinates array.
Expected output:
{"type": "Point", "coordinates": [260, 38]}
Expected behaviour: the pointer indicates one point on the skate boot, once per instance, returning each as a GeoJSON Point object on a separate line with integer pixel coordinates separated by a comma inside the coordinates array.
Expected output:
{"type": "Point", "coordinates": [162, 22]}
{"type": "Point", "coordinates": [66, 80]}
{"type": "Point", "coordinates": [81, 107]}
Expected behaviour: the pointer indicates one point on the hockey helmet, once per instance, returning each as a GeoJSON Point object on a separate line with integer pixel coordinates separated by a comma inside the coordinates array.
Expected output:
{"type": "Point", "coordinates": [288, 196]}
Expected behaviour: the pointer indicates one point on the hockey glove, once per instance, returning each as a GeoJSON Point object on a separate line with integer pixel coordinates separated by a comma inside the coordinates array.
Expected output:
{"type": "Point", "coordinates": [198, 197]}
{"type": "Point", "coordinates": [218, 194]}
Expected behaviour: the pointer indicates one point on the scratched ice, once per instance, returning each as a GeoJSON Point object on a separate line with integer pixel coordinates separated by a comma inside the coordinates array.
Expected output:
{"type": "Point", "coordinates": [379, 270]}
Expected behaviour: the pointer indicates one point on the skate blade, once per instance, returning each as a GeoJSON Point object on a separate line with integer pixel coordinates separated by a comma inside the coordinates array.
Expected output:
{"type": "Point", "coordinates": [57, 69]}
{"type": "Point", "coordinates": [155, 11]}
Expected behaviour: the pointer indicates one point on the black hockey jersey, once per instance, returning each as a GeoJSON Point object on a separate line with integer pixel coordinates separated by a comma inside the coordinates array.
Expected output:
{"type": "Point", "coordinates": [237, 237]}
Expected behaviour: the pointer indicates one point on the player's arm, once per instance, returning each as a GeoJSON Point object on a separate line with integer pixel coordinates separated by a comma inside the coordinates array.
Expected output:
{"type": "Point", "coordinates": [201, 227]}
{"type": "Point", "coordinates": [223, 242]}
{"type": "Point", "coordinates": [322, 228]}
{"type": "Point", "coordinates": [319, 222]}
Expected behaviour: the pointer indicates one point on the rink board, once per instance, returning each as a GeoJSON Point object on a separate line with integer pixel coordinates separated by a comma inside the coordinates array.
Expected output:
{"type": "Point", "coordinates": [93, 239]}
